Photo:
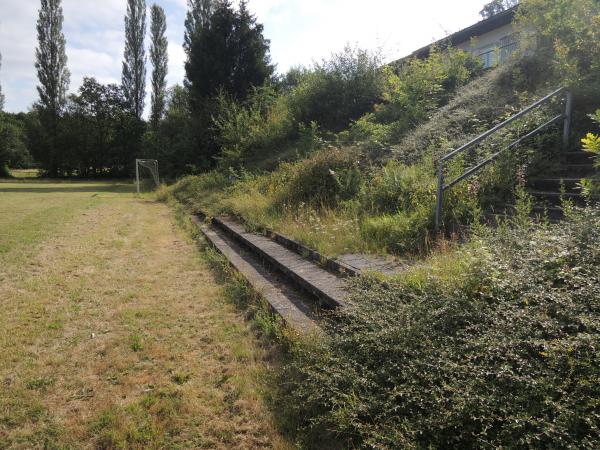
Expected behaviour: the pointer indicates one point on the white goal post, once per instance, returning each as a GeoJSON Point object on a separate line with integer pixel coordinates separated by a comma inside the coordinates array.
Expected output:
{"type": "Point", "coordinates": [152, 166]}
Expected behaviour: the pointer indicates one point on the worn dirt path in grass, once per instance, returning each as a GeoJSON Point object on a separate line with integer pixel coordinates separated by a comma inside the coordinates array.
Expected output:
{"type": "Point", "coordinates": [114, 333]}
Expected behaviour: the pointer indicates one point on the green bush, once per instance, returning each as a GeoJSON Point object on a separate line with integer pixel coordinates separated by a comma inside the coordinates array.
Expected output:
{"type": "Point", "coordinates": [198, 191]}
{"type": "Point", "coordinates": [591, 144]}
{"type": "Point", "coordinates": [412, 92]}
{"type": "Point", "coordinates": [565, 33]}
{"type": "Point", "coordinates": [337, 91]}
{"type": "Point", "coordinates": [495, 346]}
{"type": "Point", "coordinates": [397, 187]}
{"type": "Point", "coordinates": [174, 143]}
{"type": "Point", "coordinates": [259, 127]}
{"type": "Point", "coordinates": [404, 233]}
{"type": "Point", "coordinates": [13, 149]}
{"type": "Point", "coordinates": [324, 179]}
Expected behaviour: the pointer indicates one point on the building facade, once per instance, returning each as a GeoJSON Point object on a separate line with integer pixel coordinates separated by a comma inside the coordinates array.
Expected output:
{"type": "Point", "coordinates": [493, 40]}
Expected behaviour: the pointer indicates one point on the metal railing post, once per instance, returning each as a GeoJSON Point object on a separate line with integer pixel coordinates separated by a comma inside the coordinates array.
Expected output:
{"type": "Point", "coordinates": [567, 121]}
{"type": "Point", "coordinates": [440, 195]}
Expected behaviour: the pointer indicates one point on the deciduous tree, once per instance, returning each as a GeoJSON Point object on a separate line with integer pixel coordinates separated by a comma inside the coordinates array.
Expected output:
{"type": "Point", "coordinates": [159, 59]}
{"type": "Point", "coordinates": [496, 6]}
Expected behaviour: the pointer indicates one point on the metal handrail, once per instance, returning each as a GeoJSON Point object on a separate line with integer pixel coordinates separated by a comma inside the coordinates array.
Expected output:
{"type": "Point", "coordinates": [565, 116]}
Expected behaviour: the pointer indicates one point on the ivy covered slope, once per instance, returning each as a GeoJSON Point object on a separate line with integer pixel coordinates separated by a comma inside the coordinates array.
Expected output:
{"type": "Point", "coordinates": [496, 345]}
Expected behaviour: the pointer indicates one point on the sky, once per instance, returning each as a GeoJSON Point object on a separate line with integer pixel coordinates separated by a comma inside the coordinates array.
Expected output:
{"type": "Point", "coordinates": [300, 31]}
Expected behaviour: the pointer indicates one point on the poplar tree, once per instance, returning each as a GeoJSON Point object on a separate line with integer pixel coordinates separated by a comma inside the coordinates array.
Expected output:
{"type": "Point", "coordinates": [159, 59]}
{"type": "Point", "coordinates": [51, 65]}
{"type": "Point", "coordinates": [134, 62]}
{"type": "Point", "coordinates": [1, 94]}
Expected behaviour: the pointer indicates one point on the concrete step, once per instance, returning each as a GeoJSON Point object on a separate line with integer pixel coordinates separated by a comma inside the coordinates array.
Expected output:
{"type": "Point", "coordinates": [290, 304]}
{"type": "Point", "coordinates": [577, 170]}
{"type": "Point", "coordinates": [554, 184]}
{"type": "Point", "coordinates": [328, 288]}
{"type": "Point", "coordinates": [552, 213]}
{"type": "Point", "coordinates": [577, 157]}
{"type": "Point", "coordinates": [553, 198]}
{"type": "Point", "coordinates": [506, 211]}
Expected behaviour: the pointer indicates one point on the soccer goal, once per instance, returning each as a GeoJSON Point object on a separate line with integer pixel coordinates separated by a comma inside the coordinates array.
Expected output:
{"type": "Point", "coordinates": [146, 174]}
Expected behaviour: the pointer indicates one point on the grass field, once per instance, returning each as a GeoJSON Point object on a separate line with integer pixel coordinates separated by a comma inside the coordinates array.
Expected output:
{"type": "Point", "coordinates": [113, 331]}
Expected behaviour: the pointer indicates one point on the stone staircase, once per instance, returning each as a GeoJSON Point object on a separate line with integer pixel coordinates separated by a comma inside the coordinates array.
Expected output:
{"type": "Point", "coordinates": [548, 191]}
{"type": "Point", "coordinates": [297, 287]}
{"type": "Point", "coordinates": [563, 183]}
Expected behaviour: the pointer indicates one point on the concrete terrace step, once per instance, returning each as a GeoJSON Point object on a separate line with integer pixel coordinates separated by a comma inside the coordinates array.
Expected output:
{"type": "Point", "coordinates": [578, 157]}
{"type": "Point", "coordinates": [327, 287]}
{"type": "Point", "coordinates": [555, 196]}
{"type": "Point", "coordinates": [554, 184]}
{"type": "Point", "coordinates": [506, 211]}
{"type": "Point", "coordinates": [283, 300]}
{"type": "Point", "coordinates": [577, 170]}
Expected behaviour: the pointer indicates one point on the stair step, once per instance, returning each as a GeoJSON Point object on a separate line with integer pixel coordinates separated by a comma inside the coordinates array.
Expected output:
{"type": "Point", "coordinates": [552, 213]}
{"type": "Point", "coordinates": [553, 194]}
{"type": "Point", "coordinates": [578, 157]}
{"type": "Point", "coordinates": [552, 198]}
{"type": "Point", "coordinates": [283, 300]}
{"type": "Point", "coordinates": [327, 287]}
{"type": "Point", "coordinates": [577, 170]}
{"type": "Point", "coordinates": [554, 184]}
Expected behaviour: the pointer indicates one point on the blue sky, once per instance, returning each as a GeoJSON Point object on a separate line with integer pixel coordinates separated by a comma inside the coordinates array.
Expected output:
{"type": "Point", "coordinates": [300, 31]}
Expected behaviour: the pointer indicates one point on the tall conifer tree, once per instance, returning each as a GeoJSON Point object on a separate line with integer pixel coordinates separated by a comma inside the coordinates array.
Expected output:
{"type": "Point", "coordinates": [159, 59]}
{"type": "Point", "coordinates": [198, 17]}
{"type": "Point", "coordinates": [51, 65]}
{"type": "Point", "coordinates": [134, 62]}
{"type": "Point", "coordinates": [228, 54]}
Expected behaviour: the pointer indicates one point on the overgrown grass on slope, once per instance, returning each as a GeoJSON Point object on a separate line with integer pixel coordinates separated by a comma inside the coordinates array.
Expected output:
{"type": "Point", "coordinates": [495, 345]}
{"type": "Point", "coordinates": [343, 200]}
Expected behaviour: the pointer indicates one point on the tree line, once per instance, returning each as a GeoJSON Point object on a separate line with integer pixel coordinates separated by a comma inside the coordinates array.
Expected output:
{"type": "Point", "coordinates": [101, 129]}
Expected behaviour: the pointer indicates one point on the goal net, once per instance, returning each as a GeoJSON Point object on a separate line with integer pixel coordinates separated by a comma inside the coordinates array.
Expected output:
{"type": "Point", "coordinates": [146, 175]}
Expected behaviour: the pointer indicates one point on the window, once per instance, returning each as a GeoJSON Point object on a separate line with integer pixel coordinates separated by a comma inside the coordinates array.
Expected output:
{"type": "Point", "coordinates": [487, 56]}
{"type": "Point", "coordinates": [499, 52]}
{"type": "Point", "coordinates": [508, 45]}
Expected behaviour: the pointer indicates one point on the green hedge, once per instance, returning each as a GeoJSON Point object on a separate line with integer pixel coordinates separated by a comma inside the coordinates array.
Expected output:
{"type": "Point", "coordinates": [496, 347]}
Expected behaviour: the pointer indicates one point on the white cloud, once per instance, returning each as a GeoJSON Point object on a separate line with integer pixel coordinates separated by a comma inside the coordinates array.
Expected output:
{"type": "Point", "coordinates": [300, 32]}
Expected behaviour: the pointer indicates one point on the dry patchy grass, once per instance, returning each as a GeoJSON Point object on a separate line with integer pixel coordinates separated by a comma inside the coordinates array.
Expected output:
{"type": "Point", "coordinates": [114, 334]}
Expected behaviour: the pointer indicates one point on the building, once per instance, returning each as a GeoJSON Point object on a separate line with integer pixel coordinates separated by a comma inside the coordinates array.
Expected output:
{"type": "Point", "coordinates": [493, 40]}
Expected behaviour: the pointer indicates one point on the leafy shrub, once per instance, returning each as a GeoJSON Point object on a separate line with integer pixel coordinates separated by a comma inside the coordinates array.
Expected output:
{"type": "Point", "coordinates": [403, 233]}
{"type": "Point", "coordinates": [566, 32]}
{"type": "Point", "coordinates": [174, 143]}
{"type": "Point", "coordinates": [475, 108]}
{"type": "Point", "coordinates": [494, 346]}
{"type": "Point", "coordinates": [260, 126]}
{"type": "Point", "coordinates": [591, 144]}
{"type": "Point", "coordinates": [338, 90]}
{"type": "Point", "coordinates": [414, 91]}
{"type": "Point", "coordinates": [13, 150]}
{"type": "Point", "coordinates": [197, 191]}
{"type": "Point", "coordinates": [397, 203]}
{"type": "Point", "coordinates": [397, 187]}
{"type": "Point", "coordinates": [324, 179]}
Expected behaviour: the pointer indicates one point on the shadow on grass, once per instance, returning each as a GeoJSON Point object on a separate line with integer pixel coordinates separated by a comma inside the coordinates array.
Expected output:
{"type": "Point", "coordinates": [51, 189]}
